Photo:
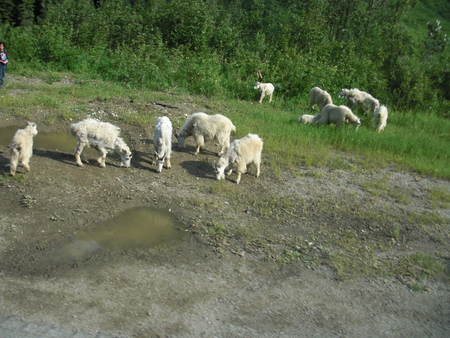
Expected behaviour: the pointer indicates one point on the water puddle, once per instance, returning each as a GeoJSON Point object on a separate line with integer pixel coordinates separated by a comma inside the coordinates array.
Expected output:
{"type": "Point", "coordinates": [135, 228]}
{"type": "Point", "coordinates": [62, 141]}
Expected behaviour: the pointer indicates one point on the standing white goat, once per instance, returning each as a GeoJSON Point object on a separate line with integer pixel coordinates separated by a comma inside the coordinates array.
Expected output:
{"type": "Point", "coordinates": [21, 147]}
{"type": "Point", "coordinates": [162, 143]}
{"type": "Point", "coordinates": [204, 127]}
{"type": "Point", "coordinates": [241, 153]}
{"type": "Point", "coordinates": [319, 97]}
{"type": "Point", "coordinates": [380, 118]}
{"type": "Point", "coordinates": [360, 99]}
{"type": "Point", "coordinates": [338, 115]}
{"type": "Point", "coordinates": [102, 136]}
{"type": "Point", "coordinates": [265, 89]}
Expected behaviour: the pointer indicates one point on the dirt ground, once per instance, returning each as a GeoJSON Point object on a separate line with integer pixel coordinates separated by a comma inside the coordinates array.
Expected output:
{"type": "Point", "coordinates": [189, 287]}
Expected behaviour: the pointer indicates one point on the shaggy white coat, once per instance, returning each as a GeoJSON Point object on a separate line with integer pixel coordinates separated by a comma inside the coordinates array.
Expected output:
{"type": "Point", "coordinates": [338, 115]}
{"type": "Point", "coordinates": [380, 118]}
{"type": "Point", "coordinates": [162, 143]}
{"type": "Point", "coordinates": [360, 99]}
{"type": "Point", "coordinates": [319, 97]}
{"type": "Point", "coordinates": [203, 127]}
{"type": "Point", "coordinates": [21, 147]}
{"type": "Point", "coordinates": [309, 119]}
{"type": "Point", "coordinates": [265, 89]}
{"type": "Point", "coordinates": [241, 153]}
{"type": "Point", "coordinates": [102, 136]}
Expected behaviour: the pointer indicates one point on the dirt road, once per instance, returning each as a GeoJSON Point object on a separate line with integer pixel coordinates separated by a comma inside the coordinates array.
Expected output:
{"type": "Point", "coordinates": [192, 286]}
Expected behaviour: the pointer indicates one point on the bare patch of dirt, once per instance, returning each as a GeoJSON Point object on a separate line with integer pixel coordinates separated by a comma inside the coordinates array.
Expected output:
{"type": "Point", "coordinates": [204, 285]}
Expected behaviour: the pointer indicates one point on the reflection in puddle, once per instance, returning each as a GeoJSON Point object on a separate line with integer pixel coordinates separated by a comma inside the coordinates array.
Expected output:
{"type": "Point", "coordinates": [7, 133]}
{"type": "Point", "coordinates": [139, 227]}
{"type": "Point", "coordinates": [69, 253]}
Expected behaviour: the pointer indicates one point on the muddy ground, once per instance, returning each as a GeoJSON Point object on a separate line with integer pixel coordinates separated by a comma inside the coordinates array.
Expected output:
{"type": "Point", "coordinates": [194, 286]}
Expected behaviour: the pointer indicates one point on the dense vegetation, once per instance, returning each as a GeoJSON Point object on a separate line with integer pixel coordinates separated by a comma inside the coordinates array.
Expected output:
{"type": "Point", "coordinates": [215, 47]}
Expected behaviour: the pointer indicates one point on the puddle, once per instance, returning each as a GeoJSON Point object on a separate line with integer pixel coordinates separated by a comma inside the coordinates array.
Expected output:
{"type": "Point", "coordinates": [135, 228]}
{"type": "Point", "coordinates": [63, 142]}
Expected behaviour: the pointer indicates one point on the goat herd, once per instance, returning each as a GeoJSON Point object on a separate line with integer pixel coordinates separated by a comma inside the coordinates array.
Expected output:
{"type": "Point", "coordinates": [105, 137]}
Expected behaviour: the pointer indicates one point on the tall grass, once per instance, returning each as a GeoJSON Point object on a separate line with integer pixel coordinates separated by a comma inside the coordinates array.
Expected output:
{"type": "Point", "coordinates": [419, 141]}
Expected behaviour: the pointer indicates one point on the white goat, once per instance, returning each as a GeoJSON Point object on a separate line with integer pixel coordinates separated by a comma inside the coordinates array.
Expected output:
{"type": "Point", "coordinates": [380, 118]}
{"type": "Point", "coordinates": [360, 99]}
{"type": "Point", "coordinates": [102, 136]}
{"type": "Point", "coordinates": [162, 143]}
{"type": "Point", "coordinates": [309, 119]}
{"type": "Point", "coordinates": [265, 89]}
{"type": "Point", "coordinates": [318, 97]}
{"type": "Point", "coordinates": [338, 115]}
{"type": "Point", "coordinates": [241, 153]}
{"type": "Point", "coordinates": [21, 147]}
{"type": "Point", "coordinates": [203, 127]}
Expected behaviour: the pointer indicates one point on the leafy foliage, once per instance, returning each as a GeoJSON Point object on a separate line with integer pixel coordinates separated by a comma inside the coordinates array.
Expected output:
{"type": "Point", "coordinates": [215, 47]}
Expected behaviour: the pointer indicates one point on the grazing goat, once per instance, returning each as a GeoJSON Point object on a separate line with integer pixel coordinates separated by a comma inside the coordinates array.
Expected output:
{"type": "Point", "coordinates": [162, 143]}
{"type": "Point", "coordinates": [21, 147]}
{"type": "Point", "coordinates": [318, 97]}
{"type": "Point", "coordinates": [102, 136]}
{"type": "Point", "coordinates": [338, 115]}
{"type": "Point", "coordinates": [203, 127]}
{"type": "Point", "coordinates": [380, 118]}
{"type": "Point", "coordinates": [309, 119]}
{"type": "Point", "coordinates": [265, 89]}
{"type": "Point", "coordinates": [360, 99]}
{"type": "Point", "coordinates": [241, 153]}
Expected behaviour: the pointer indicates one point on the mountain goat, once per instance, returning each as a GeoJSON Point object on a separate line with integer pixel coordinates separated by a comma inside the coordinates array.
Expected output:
{"type": "Point", "coordinates": [338, 115]}
{"type": "Point", "coordinates": [203, 127]}
{"type": "Point", "coordinates": [102, 136]}
{"type": "Point", "coordinates": [21, 147]}
{"type": "Point", "coordinates": [162, 143]}
{"type": "Point", "coordinates": [318, 97]}
{"type": "Point", "coordinates": [359, 99]}
{"type": "Point", "coordinates": [265, 89]}
{"type": "Point", "coordinates": [241, 153]}
{"type": "Point", "coordinates": [309, 119]}
{"type": "Point", "coordinates": [380, 118]}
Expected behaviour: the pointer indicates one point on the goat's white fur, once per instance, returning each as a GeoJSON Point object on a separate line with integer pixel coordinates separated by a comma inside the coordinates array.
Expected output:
{"type": "Point", "coordinates": [309, 119]}
{"type": "Point", "coordinates": [21, 147]}
{"type": "Point", "coordinates": [338, 115]}
{"type": "Point", "coordinates": [360, 99]}
{"type": "Point", "coordinates": [265, 89]}
{"type": "Point", "coordinates": [319, 97]}
{"type": "Point", "coordinates": [102, 136]}
{"type": "Point", "coordinates": [203, 127]}
{"type": "Point", "coordinates": [380, 118]}
{"type": "Point", "coordinates": [241, 153]}
{"type": "Point", "coordinates": [162, 143]}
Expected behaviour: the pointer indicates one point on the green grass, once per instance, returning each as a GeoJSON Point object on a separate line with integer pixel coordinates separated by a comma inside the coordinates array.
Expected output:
{"type": "Point", "coordinates": [411, 141]}
{"type": "Point", "coordinates": [417, 141]}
